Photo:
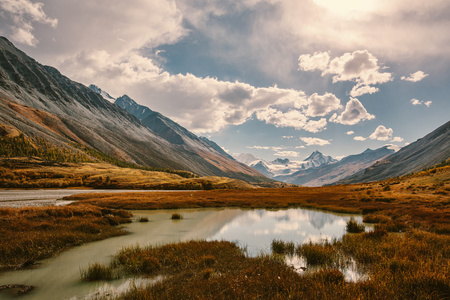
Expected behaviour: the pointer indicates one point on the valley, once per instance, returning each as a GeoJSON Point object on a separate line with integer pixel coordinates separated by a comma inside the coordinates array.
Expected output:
{"type": "Point", "coordinates": [56, 133]}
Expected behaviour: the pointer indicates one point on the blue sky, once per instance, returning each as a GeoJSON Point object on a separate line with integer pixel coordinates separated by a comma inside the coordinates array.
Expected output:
{"type": "Point", "coordinates": [276, 78]}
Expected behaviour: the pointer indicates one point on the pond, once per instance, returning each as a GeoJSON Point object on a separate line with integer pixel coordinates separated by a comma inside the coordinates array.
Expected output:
{"type": "Point", "coordinates": [253, 230]}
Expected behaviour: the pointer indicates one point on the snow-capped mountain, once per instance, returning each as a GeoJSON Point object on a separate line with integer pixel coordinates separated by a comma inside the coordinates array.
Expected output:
{"type": "Point", "coordinates": [284, 167]}
{"type": "Point", "coordinates": [316, 159]}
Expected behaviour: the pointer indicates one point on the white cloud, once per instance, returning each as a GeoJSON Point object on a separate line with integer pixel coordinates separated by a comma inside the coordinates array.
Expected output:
{"type": "Point", "coordinates": [354, 113]}
{"type": "Point", "coordinates": [415, 77]}
{"type": "Point", "coordinates": [381, 133]}
{"type": "Point", "coordinates": [316, 126]}
{"type": "Point", "coordinates": [259, 147]}
{"type": "Point", "coordinates": [360, 66]}
{"type": "Point", "coordinates": [397, 139]}
{"type": "Point", "coordinates": [292, 118]}
{"type": "Point", "coordinates": [286, 153]}
{"type": "Point", "coordinates": [322, 105]}
{"type": "Point", "coordinates": [350, 132]}
{"type": "Point", "coordinates": [318, 61]}
{"type": "Point", "coordinates": [359, 138]}
{"type": "Point", "coordinates": [415, 102]}
{"type": "Point", "coordinates": [420, 102]}
{"type": "Point", "coordinates": [23, 14]}
{"type": "Point", "coordinates": [359, 90]}
{"type": "Point", "coordinates": [310, 141]}
{"type": "Point", "coordinates": [393, 147]}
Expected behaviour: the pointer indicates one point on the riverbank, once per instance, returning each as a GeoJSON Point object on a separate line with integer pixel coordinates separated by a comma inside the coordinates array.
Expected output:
{"type": "Point", "coordinates": [34, 233]}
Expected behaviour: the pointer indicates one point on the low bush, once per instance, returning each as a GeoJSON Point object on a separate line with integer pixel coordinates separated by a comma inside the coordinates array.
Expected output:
{"type": "Point", "coordinates": [354, 227]}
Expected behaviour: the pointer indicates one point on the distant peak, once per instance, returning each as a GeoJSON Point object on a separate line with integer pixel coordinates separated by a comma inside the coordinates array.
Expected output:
{"type": "Point", "coordinates": [368, 150]}
{"type": "Point", "coordinates": [314, 155]}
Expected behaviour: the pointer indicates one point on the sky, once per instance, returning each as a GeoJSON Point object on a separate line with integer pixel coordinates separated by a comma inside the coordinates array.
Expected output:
{"type": "Point", "coordinates": [275, 78]}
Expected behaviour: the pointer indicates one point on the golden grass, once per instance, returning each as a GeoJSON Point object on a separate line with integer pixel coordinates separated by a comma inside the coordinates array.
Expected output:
{"type": "Point", "coordinates": [413, 266]}
{"type": "Point", "coordinates": [30, 234]}
{"type": "Point", "coordinates": [401, 206]}
{"type": "Point", "coordinates": [38, 173]}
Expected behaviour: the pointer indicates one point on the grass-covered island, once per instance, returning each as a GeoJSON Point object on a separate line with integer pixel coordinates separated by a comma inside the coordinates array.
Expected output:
{"type": "Point", "coordinates": [406, 256]}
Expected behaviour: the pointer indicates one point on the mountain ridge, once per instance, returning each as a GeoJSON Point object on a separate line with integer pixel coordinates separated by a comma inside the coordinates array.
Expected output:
{"type": "Point", "coordinates": [39, 101]}
{"type": "Point", "coordinates": [426, 152]}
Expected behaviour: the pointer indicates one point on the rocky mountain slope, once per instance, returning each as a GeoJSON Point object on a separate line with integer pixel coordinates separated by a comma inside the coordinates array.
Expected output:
{"type": "Point", "coordinates": [39, 101]}
{"type": "Point", "coordinates": [426, 152]}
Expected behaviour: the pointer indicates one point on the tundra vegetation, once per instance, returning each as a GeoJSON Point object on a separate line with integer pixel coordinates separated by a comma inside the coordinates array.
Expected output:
{"type": "Point", "coordinates": [406, 256]}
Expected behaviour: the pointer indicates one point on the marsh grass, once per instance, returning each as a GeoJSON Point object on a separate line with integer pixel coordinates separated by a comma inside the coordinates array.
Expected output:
{"type": "Point", "coordinates": [353, 226]}
{"type": "Point", "coordinates": [282, 247]}
{"type": "Point", "coordinates": [409, 266]}
{"type": "Point", "coordinates": [30, 234]}
{"type": "Point", "coordinates": [97, 272]}
{"type": "Point", "coordinates": [318, 254]}
{"type": "Point", "coordinates": [176, 216]}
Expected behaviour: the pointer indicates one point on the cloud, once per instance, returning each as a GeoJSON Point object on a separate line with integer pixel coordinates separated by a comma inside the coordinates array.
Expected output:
{"type": "Point", "coordinates": [23, 14]}
{"type": "Point", "coordinates": [354, 113]}
{"type": "Point", "coordinates": [397, 139]}
{"type": "Point", "coordinates": [419, 102]}
{"type": "Point", "coordinates": [415, 77]}
{"type": "Point", "coordinates": [318, 61]}
{"type": "Point", "coordinates": [322, 105]}
{"type": "Point", "coordinates": [360, 67]}
{"type": "Point", "coordinates": [292, 118]}
{"type": "Point", "coordinates": [393, 147]}
{"type": "Point", "coordinates": [381, 133]}
{"type": "Point", "coordinates": [310, 141]}
{"type": "Point", "coordinates": [316, 126]}
{"type": "Point", "coordinates": [359, 90]}
{"type": "Point", "coordinates": [286, 153]}
{"type": "Point", "coordinates": [350, 132]}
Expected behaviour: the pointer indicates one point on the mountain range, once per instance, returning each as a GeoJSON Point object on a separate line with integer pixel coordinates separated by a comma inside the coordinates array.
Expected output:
{"type": "Point", "coordinates": [317, 169]}
{"type": "Point", "coordinates": [284, 167]}
{"type": "Point", "coordinates": [39, 102]}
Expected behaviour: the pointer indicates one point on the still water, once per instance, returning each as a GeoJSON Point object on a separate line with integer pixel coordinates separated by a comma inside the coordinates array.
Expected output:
{"type": "Point", "coordinates": [254, 230]}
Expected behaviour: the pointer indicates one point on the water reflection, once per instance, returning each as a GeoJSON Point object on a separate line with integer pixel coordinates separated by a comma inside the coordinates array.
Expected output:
{"type": "Point", "coordinates": [59, 277]}
{"type": "Point", "coordinates": [255, 229]}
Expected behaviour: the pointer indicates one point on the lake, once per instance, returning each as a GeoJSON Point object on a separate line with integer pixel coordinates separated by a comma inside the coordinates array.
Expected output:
{"type": "Point", "coordinates": [253, 230]}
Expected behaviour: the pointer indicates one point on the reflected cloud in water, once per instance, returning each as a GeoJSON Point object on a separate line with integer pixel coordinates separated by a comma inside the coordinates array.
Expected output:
{"type": "Point", "coordinates": [256, 229]}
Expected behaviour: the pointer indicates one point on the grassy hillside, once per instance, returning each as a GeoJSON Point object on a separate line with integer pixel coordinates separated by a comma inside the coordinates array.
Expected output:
{"type": "Point", "coordinates": [39, 173]}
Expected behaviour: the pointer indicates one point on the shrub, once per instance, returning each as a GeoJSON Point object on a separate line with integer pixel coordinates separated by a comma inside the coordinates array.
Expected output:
{"type": "Point", "coordinates": [354, 227]}
{"type": "Point", "coordinates": [143, 219]}
{"type": "Point", "coordinates": [176, 216]}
